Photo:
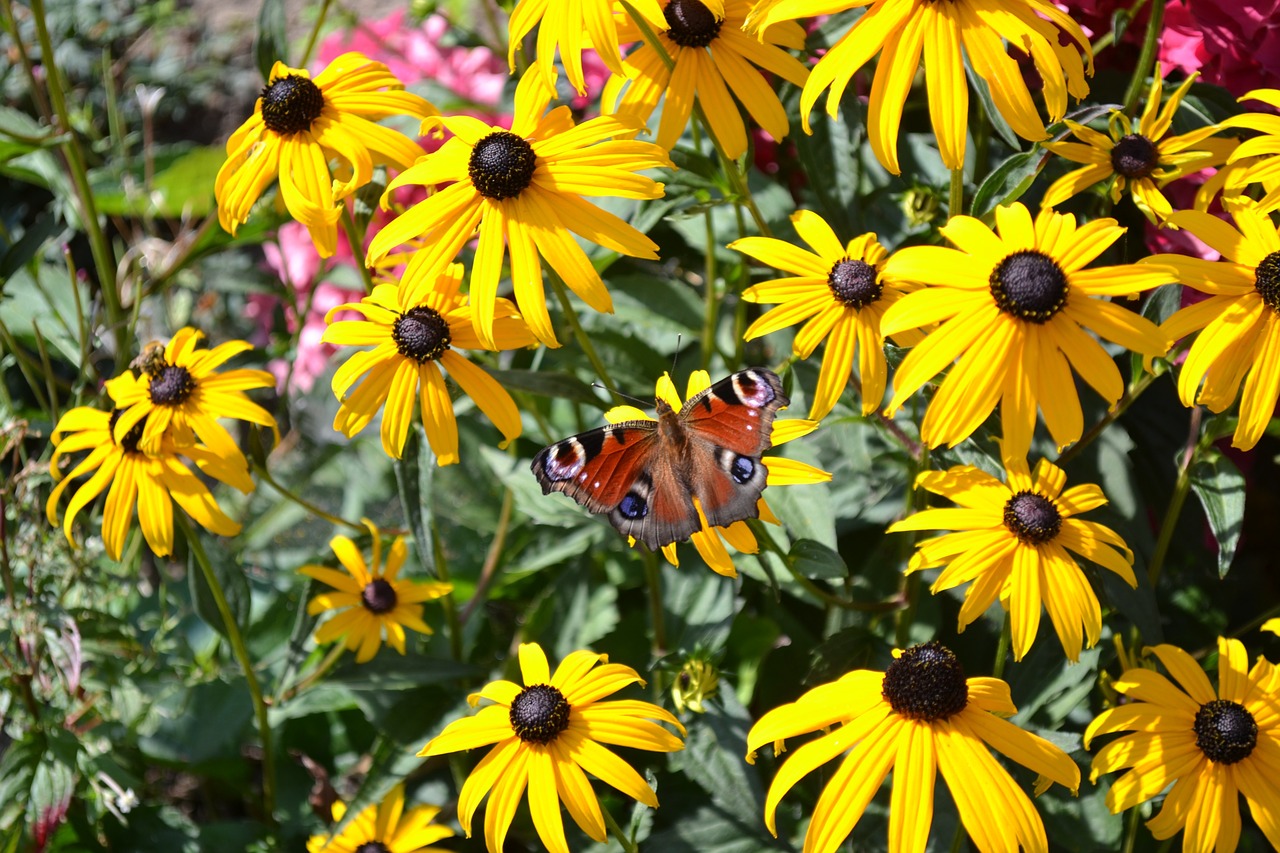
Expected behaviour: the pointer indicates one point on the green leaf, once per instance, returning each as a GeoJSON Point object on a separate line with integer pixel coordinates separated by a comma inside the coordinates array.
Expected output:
{"type": "Point", "coordinates": [413, 480]}
{"type": "Point", "coordinates": [546, 383]}
{"type": "Point", "coordinates": [831, 151]}
{"type": "Point", "coordinates": [235, 587]}
{"type": "Point", "coordinates": [182, 189]}
{"type": "Point", "coordinates": [815, 560]}
{"type": "Point", "coordinates": [1219, 485]}
{"type": "Point", "coordinates": [271, 42]}
{"type": "Point", "coordinates": [389, 671]}
{"type": "Point", "coordinates": [699, 608]}
{"type": "Point", "coordinates": [1009, 181]}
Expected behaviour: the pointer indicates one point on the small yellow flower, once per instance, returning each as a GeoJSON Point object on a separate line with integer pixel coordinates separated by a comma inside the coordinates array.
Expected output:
{"type": "Point", "coordinates": [1256, 161]}
{"type": "Point", "coordinates": [299, 124]}
{"type": "Point", "coordinates": [373, 599]}
{"type": "Point", "coordinates": [544, 735]}
{"type": "Point", "coordinates": [384, 828]}
{"type": "Point", "coordinates": [696, 681]}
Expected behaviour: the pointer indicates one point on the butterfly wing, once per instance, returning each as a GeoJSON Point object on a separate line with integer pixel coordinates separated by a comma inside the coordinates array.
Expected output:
{"type": "Point", "coordinates": [729, 426]}
{"type": "Point", "coordinates": [618, 471]}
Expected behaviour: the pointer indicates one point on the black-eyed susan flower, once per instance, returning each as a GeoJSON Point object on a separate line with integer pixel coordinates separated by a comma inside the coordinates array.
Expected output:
{"type": "Point", "coordinates": [838, 293]}
{"type": "Point", "coordinates": [1239, 324]}
{"type": "Point", "coordinates": [299, 124]}
{"type": "Point", "coordinates": [1143, 160]}
{"type": "Point", "coordinates": [370, 601]}
{"type": "Point", "coordinates": [1255, 161]}
{"type": "Point", "coordinates": [544, 735]}
{"type": "Point", "coordinates": [900, 30]}
{"type": "Point", "coordinates": [1013, 308]}
{"type": "Point", "coordinates": [151, 482]}
{"type": "Point", "coordinates": [713, 57]}
{"type": "Point", "coordinates": [1211, 745]}
{"type": "Point", "coordinates": [179, 392]}
{"type": "Point", "coordinates": [1013, 544]}
{"type": "Point", "coordinates": [412, 342]}
{"type": "Point", "coordinates": [524, 188]}
{"type": "Point", "coordinates": [572, 27]}
{"type": "Point", "coordinates": [710, 540]}
{"type": "Point", "coordinates": [919, 716]}
{"type": "Point", "coordinates": [384, 828]}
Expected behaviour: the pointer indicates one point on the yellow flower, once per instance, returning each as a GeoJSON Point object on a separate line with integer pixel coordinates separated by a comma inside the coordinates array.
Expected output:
{"type": "Point", "coordinates": [179, 393]}
{"type": "Point", "coordinates": [412, 341]}
{"type": "Point", "coordinates": [781, 472]}
{"type": "Point", "coordinates": [1256, 161]}
{"type": "Point", "coordinates": [544, 735]}
{"type": "Point", "coordinates": [1013, 309]}
{"type": "Point", "coordinates": [153, 482]}
{"type": "Point", "coordinates": [1212, 746]}
{"type": "Point", "coordinates": [706, 42]}
{"type": "Point", "coordinates": [919, 716]}
{"type": "Point", "coordinates": [696, 682]}
{"type": "Point", "coordinates": [1143, 160]}
{"type": "Point", "coordinates": [1013, 545]}
{"type": "Point", "coordinates": [1239, 324]}
{"type": "Point", "coordinates": [384, 828]}
{"type": "Point", "coordinates": [899, 30]}
{"type": "Point", "coordinates": [299, 124]}
{"type": "Point", "coordinates": [839, 292]}
{"type": "Point", "coordinates": [565, 30]}
{"type": "Point", "coordinates": [373, 599]}
{"type": "Point", "coordinates": [524, 187]}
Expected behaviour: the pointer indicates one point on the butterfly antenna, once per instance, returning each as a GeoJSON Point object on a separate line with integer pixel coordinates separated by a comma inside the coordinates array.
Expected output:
{"type": "Point", "coordinates": [675, 356]}
{"type": "Point", "coordinates": [642, 403]}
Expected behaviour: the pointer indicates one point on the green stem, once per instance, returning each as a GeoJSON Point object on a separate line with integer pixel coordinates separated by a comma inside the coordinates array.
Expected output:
{"type": "Point", "coordinates": [588, 349]}
{"type": "Point", "coordinates": [628, 846]}
{"type": "Point", "coordinates": [1130, 395]}
{"type": "Point", "coordinates": [653, 580]}
{"type": "Point", "coordinates": [241, 653]}
{"type": "Point", "coordinates": [956, 203]}
{"type": "Point", "coordinates": [285, 492]}
{"type": "Point", "coordinates": [357, 248]}
{"type": "Point", "coordinates": [99, 247]}
{"type": "Point", "coordinates": [1002, 648]}
{"type": "Point", "coordinates": [1131, 830]}
{"type": "Point", "coordinates": [1146, 60]}
{"type": "Point", "coordinates": [710, 313]}
{"type": "Point", "coordinates": [1180, 490]}
{"type": "Point", "coordinates": [335, 652]}
{"type": "Point", "coordinates": [314, 35]}
{"type": "Point", "coordinates": [446, 603]}
{"type": "Point", "coordinates": [493, 558]}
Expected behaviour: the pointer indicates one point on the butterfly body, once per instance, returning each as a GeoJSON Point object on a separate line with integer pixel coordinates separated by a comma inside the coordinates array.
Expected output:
{"type": "Point", "coordinates": [645, 474]}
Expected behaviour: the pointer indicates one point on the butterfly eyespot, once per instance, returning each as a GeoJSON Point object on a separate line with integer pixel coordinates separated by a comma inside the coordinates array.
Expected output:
{"type": "Point", "coordinates": [742, 469]}
{"type": "Point", "coordinates": [633, 507]}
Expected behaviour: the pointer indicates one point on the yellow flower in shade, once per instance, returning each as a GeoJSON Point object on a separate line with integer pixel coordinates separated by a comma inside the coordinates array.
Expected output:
{"type": "Point", "coordinates": [1211, 745]}
{"type": "Point", "coordinates": [919, 716]}
{"type": "Point", "coordinates": [713, 57]}
{"type": "Point", "coordinates": [153, 482]}
{"type": "Point", "coordinates": [1144, 160]}
{"type": "Point", "coordinates": [179, 393]}
{"type": "Point", "coordinates": [1013, 544]}
{"type": "Point", "coordinates": [299, 124]}
{"type": "Point", "coordinates": [374, 601]}
{"type": "Point", "coordinates": [710, 541]}
{"type": "Point", "coordinates": [696, 682]}
{"type": "Point", "coordinates": [1239, 324]}
{"type": "Point", "coordinates": [1013, 309]}
{"type": "Point", "coordinates": [838, 292]}
{"type": "Point", "coordinates": [544, 735]}
{"type": "Point", "coordinates": [899, 30]}
{"type": "Point", "coordinates": [412, 342]}
{"type": "Point", "coordinates": [571, 28]}
{"type": "Point", "coordinates": [1256, 161]}
{"type": "Point", "coordinates": [524, 188]}
{"type": "Point", "coordinates": [384, 828]}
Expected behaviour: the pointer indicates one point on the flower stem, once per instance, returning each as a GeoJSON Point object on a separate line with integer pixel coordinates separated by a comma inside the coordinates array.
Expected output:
{"type": "Point", "coordinates": [653, 580]}
{"type": "Point", "coordinates": [628, 846]}
{"type": "Point", "coordinates": [335, 652]}
{"type": "Point", "coordinates": [1146, 59]}
{"type": "Point", "coordinates": [955, 205]}
{"type": "Point", "coordinates": [1180, 489]}
{"type": "Point", "coordinates": [1002, 648]}
{"type": "Point", "coordinates": [314, 35]}
{"type": "Point", "coordinates": [589, 350]}
{"type": "Point", "coordinates": [1122, 405]}
{"type": "Point", "coordinates": [241, 653]}
{"type": "Point", "coordinates": [262, 472]}
{"type": "Point", "coordinates": [357, 247]}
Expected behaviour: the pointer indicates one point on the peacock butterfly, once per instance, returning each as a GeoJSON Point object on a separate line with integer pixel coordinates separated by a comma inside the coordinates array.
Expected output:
{"type": "Point", "coordinates": [644, 474]}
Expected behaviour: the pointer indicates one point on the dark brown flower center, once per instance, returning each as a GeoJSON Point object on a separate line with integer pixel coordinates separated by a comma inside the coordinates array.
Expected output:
{"type": "Point", "coordinates": [1134, 156]}
{"type": "Point", "coordinates": [373, 847]}
{"type": "Point", "coordinates": [379, 596]}
{"type": "Point", "coordinates": [854, 283]}
{"type": "Point", "coordinates": [501, 165]}
{"type": "Point", "coordinates": [421, 334]}
{"type": "Point", "coordinates": [1225, 731]}
{"type": "Point", "coordinates": [131, 438]}
{"type": "Point", "coordinates": [1033, 518]}
{"type": "Point", "coordinates": [1029, 285]}
{"type": "Point", "coordinates": [539, 714]}
{"type": "Point", "coordinates": [1267, 280]}
{"type": "Point", "coordinates": [171, 386]}
{"type": "Point", "coordinates": [926, 682]}
{"type": "Point", "coordinates": [691, 24]}
{"type": "Point", "coordinates": [291, 104]}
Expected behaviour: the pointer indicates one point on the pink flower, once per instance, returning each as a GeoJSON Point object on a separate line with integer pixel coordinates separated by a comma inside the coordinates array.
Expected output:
{"type": "Point", "coordinates": [1242, 42]}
